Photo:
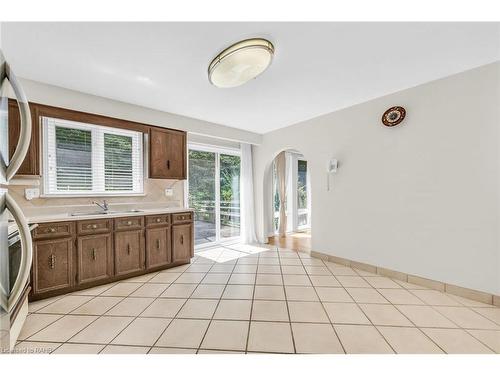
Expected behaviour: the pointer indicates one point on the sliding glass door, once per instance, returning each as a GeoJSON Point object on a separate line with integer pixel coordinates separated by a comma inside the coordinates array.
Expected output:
{"type": "Point", "coordinates": [214, 194]}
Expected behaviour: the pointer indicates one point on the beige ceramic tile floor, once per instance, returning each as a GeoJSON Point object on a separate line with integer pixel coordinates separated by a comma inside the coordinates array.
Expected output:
{"type": "Point", "coordinates": [246, 299]}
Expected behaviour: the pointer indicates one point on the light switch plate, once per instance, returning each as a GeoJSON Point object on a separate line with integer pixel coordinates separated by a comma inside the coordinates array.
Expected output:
{"type": "Point", "coordinates": [31, 193]}
{"type": "Point", "coordinates": [169, 192]}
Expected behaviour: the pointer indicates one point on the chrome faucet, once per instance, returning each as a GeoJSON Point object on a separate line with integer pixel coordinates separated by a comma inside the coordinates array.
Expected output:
{"type": "Point", "coordinates": [104, 206]}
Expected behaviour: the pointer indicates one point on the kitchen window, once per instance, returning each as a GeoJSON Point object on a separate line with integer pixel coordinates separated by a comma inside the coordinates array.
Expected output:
{"type": "Point", "coordinates": [81, 159]}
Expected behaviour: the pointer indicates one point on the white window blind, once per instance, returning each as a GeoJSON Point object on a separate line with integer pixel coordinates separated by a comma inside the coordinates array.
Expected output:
{"type": "Point", "coordinates": [87, 159]}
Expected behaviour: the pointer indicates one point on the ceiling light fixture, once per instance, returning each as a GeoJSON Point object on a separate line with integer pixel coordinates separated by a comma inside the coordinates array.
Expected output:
{"type": "Point", "coordinates": [240, 63]}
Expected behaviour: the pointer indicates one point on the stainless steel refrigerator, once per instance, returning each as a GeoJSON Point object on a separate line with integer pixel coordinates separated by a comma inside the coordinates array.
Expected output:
{"type": "Point", "coordinates": [15, 238]}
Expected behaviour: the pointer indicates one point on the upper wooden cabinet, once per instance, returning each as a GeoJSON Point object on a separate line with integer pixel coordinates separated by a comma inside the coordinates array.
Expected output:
{"type": "Point", "coordinates": [167, 147]}
{"type": "Point", "coordinates": [31, 164]}
{"type": "Point", "coordinates": [167, 154]}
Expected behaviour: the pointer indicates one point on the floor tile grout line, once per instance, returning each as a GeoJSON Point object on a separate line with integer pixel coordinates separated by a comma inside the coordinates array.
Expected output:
{"type": "Point", "coordinates": [380, 333]}
{"type": "Point", "coordinates": [424, 303]}
{"type": "Point", "coordinates": [395, 306]}
{"type": "Point", "coordinates": [287, 307]}
{"type": "Point", "coordinates": [215, 310]}
{"type": "Point", "coordinates": [69, 313]}
{"type": "Point", "coordinates": [187, 299]}
{"type": "Point", "coordinates": [253, 298]}
{"type": "Point", "coordinates": [134, 317]}
{"type": "Point", "coordinates": [324, 309]}
{"type": "Point", "coordinates": [251, 305]}
{"type": "Point", "coordinates": [459, 327]}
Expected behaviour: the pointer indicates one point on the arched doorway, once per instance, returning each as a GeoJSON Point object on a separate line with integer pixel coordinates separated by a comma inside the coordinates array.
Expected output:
{"type": "Point", "coordinates": [288, 203]}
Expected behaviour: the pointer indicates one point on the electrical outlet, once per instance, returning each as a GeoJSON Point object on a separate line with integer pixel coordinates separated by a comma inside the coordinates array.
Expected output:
{"type": "Point", "coordinates": [169, 192]}
{"type": "Point", "coordinates": [29, 194]}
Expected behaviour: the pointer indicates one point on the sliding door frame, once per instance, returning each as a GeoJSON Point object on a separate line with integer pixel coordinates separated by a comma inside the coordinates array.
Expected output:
{"type": "Point", "coordinates": [217, 150]}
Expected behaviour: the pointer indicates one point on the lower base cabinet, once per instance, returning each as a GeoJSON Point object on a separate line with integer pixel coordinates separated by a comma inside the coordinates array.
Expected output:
{"type": "Point", "coordinates": [129, 251]}
{"type": "Point", "coordinates": [69, 256]}
{"type": "Point", "coordinates": [94, 258]}
{"type": "Point", "coordinates": [158, 247]}
{"type": "Point", "coordinates": [182, 242]}
{"type": "Point", "coordinates": [52, 264]}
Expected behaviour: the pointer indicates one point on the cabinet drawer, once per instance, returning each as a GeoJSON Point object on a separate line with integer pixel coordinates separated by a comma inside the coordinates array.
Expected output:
{"type": "Point", "coordinates": [94, 226]}
{"type": "Point", "coordinates": [157, 220]}
{"type": "Point", "coordinates": [54, 230]}
{"type": "Point", "coordinates": [128, 223]}
{"type": "Point", "coordinates": [182, 217]}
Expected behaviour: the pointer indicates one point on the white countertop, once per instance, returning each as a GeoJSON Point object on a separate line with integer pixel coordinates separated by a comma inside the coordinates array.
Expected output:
{"type": "Point", "coordinates": [67, 216]}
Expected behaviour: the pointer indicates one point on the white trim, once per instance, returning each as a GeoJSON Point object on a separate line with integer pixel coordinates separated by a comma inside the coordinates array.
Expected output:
{"type": "Point", "coordinates": [217, 150]}
{"type": "Point", "coordinates": [98, 132]}
{"type": "Point", "coordinates": [214, 149]}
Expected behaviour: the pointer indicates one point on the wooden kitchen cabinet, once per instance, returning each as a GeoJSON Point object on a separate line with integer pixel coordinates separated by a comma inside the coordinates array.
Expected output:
{"type": "Point", "coordinates": [74, 255]}
{"type": "Point", "coordinates": [52, 264]}
{"type": "Point", "coordinates": [167, 154]}
{"type": "Point", "coordinates": [129, 251]}
{"type": "Point", "coordinates": [182, 242]}
{"type": "Point", "coordinates": [94, 258]}
{"type": "Point", "coordinates": [158, 247]}
{"type": "Point", "coordinates": [31, 164]}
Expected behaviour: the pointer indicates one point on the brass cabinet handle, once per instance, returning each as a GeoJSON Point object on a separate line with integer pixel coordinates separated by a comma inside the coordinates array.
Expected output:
{"type": "Point", "coordinates": [94, 254]}
{"type": "Point", "coordinates": [94, 226]}
{"type": "Point", "coordinates": [182, 239]}
{"type": "Point", "coordinates": [158, 220]}
{"type": "Point", "coordinates": [52, 261]}
{"type": "Point", "coordinates": [158, 244]}
{"type": "Point", "coordinates": [128, 249]}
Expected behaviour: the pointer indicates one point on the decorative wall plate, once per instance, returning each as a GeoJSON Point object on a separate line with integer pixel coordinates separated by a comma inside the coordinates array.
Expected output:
{"type": "Point", "coordinates": [393, 116]}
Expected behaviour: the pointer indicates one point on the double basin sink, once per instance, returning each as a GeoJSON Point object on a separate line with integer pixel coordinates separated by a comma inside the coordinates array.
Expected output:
{"type": "Point", "coordinates": [104, 212]}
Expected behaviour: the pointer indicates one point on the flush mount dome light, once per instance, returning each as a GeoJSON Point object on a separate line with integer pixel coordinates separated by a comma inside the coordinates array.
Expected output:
{"type": "Point", "coordinates": [240, 63]}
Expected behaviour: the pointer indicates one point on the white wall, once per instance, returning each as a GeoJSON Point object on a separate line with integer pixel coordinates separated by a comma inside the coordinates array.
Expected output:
{"type": "Point", "coordinates": [42, 93]}
{"type": "Point", "coordinates": [421, 198]}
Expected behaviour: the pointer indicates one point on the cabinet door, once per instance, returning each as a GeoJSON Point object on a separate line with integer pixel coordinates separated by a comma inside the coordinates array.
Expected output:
{"type": "Point", "coordinates": [129, 251]}
{"type": "Point", "coordinates": [31, 164]}
{"type": "Point", "coordinates": [95, 260]}
{"type": "Point", "coordinates": [182, 242]}
{"type": "Point", "coordinates": [52, 265]}
{"type": "Point", "coordinates": [167, 154]}
{"type": "Point", "coordinates": [158, 247]}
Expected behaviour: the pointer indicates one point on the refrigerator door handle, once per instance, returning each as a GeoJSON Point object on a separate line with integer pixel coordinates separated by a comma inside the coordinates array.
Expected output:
{"type": "Point", "coordinates": [26, 251]}
{"type": "Point", "coordinates": [25, 128]}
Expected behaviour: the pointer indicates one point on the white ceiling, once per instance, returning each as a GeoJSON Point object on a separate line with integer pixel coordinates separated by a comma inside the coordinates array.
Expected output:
{"type": "Point", "coordinates": [318, 67]}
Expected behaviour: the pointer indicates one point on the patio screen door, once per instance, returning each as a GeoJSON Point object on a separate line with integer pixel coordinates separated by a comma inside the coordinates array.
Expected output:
{"type": "Point", "coordinates": [214, 194]}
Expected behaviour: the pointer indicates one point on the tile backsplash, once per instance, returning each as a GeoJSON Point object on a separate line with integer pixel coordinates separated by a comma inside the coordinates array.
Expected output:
{"type": "Point", "coordinates": [154, 198]}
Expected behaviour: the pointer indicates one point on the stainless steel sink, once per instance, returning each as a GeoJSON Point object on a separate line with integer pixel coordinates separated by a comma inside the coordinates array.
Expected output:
{"type": "Point", "coordinates": [95, 213]}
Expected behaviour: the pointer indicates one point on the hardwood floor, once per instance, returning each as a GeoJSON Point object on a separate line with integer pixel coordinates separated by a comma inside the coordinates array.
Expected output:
{"type": "Point", "coordinates": [299, 241]}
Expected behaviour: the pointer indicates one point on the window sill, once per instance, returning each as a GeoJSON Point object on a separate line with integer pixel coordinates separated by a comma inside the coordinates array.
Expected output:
{"type": "Point", "coordinates": [96, 195]}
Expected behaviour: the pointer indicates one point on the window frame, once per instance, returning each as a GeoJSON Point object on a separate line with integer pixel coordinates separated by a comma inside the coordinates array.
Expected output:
{"type": "Point", "coordinates": [142, 144]}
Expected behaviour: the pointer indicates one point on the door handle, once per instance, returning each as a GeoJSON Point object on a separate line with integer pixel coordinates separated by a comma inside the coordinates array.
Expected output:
{"type": "Point", "coordinates": [168, 164]}
{"type": "Point", "coordinates": [128, 249]}
{"type": "Point", "coordinates": [25, 124]}
{"type": "Point", "coordinates": [94, 255]}
{"type": "Point", "coordinates": [182, 239]}
{"type": "Point", "coordinates": [52, 261]}
{"type": "Point", "coordinates": [158, 244]}
{"type": "Point", "coordinates": [26, 254]}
